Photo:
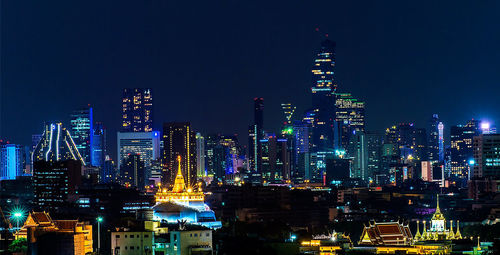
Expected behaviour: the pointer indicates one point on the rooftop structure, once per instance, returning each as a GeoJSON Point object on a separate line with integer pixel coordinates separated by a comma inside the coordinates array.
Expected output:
{"type": "Point", "coordinates": [386, 233]}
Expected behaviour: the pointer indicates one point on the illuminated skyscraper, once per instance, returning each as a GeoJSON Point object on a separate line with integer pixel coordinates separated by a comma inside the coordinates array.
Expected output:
{"type": "Point", "coordinates": [275, 159]}
{"type": "Point", "coordinates": [323, 90]}
{"type": "Point", "coordinates": [98, 145]}
{"type": "Point", "coordinates": [179, 140]}
{"type": "Point", "coordinates": [81, 130]}
{"type": "Point", "coordinates": [56, 144]}
{"type": "Point", "coordinates": [200, 155]}
{"type": "Point", "coordinates": [350, 116]}
{"type": "Point", "coordinates": [462, 137]}
{"type": "Point", "coordinates": [288, 112]}
{"type": "Point", "coordinates": [137, 110]}
{"type": "Point", "coordinates": [441, 141]}
{"type": "Point", "coordinates": [132, 171]}
{"type": "Point", "coordinates": [486, 156]}
{"type": "Point", "coordinates": [255, 134]}
{"type": "Point", "coordinates": [358, 151]}
{"type": "Point", "coordinates": [144, 144]}
{"type": "Point", "coordinates": [11, 161]}
{"type": "Point", "coordinates": [433, 138]}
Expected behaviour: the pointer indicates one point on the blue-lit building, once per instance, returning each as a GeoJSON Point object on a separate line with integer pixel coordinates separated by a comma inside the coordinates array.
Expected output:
{"type": "Point", "coordinates": [11, 161]}
{"type": "Point", "coordinates": [82, 132]}
{"type": "Point", "coordinates": [98, 148]}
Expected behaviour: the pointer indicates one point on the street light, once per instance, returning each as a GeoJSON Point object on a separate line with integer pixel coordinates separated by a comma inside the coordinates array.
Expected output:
{"type": "Point", "coordinates": [99, 220]}
{"type": "Point", "coordinates": [17, 215]}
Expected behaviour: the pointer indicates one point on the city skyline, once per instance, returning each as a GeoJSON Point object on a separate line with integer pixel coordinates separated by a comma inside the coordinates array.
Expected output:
{"type": "Point", "coordinates": [102, 90]}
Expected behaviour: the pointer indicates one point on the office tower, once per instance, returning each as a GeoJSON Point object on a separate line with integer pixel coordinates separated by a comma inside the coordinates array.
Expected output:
{"type": "Point", "coordinates": [98, 145]}
{"type": "Point", "coordinates": [407, 141]}
{"type": "Point", "coordinates": [427, 171]}
{"type": "Point", "coordinates": [179, 140]}
{"type": "Point", "coordinates": [56, 145]}
{"type": "Point", "coordinates": [144, 144]}
{"type": "Point", "coordinates": [54, 181]}
{"type": "Point", "coordinates": [81, 131]}
{"type": "Point", "coordinates": [349, 115]}
{"type": "Point", "coordinates": [255, 134]}
{"type": "Point", "coordinates": [224, 154]}
{"type": "Point", "coordinates": [132, 171]}
{"type": "Point", "coordinates": [461, 138]}
{"type": "Point", "coordinates": [300, 158]}
{"type": "Point", "coordinates": [137, 110]}
{"type": "Point", "coordinates": [433, 138]}
{"type": "Point", "coordinates": [200, 155]}
{"type": "Point", "coordinates": [358, 152]}
{"type": "Point", "coordinates": [288, 112]}
{"type": "Point", "coordinates": [441, 141]}
{"type": "Point", "coordinates": [12, 157]}
{"type": "Point", "coordinates": [323, 90]}
{"type": "Point", "coordinates": [374, 143]}
{"type": "Point", "coordinates": [486, 156]}
{"type": "Point", "coordinates": [211, 141]}
{"type": "Point", "coordinates": [108, 171]}
{"type": "Point", "coordinates": [275, 159]}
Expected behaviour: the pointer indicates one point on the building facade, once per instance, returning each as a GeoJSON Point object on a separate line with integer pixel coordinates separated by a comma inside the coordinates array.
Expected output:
{"type": "Point", "coordinates": [144, 144]}
{"type": "Point", "coordinates": [137, 110]}
{"type": "Point", "coordinates": [82, 131]}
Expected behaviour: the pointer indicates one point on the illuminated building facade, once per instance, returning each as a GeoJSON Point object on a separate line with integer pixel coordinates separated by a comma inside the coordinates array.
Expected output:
{"type": "Point", "coordinates": [486, 156]}
{"type": "Point", "coordinates": [137, 110]}
{"type": "Point", "coordinates": [357, 150]}
{"type": "Point", "coordinates": [179, 140]}
{"type": "Point", "coordinates": [462, 137]}
{"type": "Point", "coordinates": [300, 151]}
{"type": "Point", "coordinates": [82, 132]}
{"type": "Point", "coordinates": [374, 143]}
{"type": "Point", "coordinates": [255, 135]}
{"type": "Point", "coordinates": [288, 112]}
{"type": "Point", "coordinates": [98, 148]}
{"type": "Point", "coordinates": [54, 181]}
{"type": "Point", "coordinates": [144, 144]}
{"type": "Point", "coordinates": [350, 116]}
{"type": "Point", "coordinates": [56, 144]}
{"type": "Point", "coordinates": [323, 90]}
{"type": "Point", "coordinates": [433, 138]}
{"type": "Point", "coordinates": [12, 157]}
{"type": "Point", "coordinates": [47, 236]}
{"type": "Point", "coordinates": [275, 159]}
{"type": "Point", "coordinates": [132, 172]}
{"type": "Point", "coordinates": [200, 155]}
{"type": "Point", "coordinates": [386, 234]}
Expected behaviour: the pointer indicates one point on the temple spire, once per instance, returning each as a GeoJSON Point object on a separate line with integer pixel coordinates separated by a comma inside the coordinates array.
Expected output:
{"type": "Point", "coordinates": [179, 184]}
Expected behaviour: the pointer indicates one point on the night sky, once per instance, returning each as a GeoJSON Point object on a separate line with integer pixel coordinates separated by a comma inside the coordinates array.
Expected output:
{"type": "Point", "coordinates": [207, 60]}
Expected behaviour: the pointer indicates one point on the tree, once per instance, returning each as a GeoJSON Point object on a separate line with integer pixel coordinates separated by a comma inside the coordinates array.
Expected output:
{"type": "Point", "coordinates": [19, 245]}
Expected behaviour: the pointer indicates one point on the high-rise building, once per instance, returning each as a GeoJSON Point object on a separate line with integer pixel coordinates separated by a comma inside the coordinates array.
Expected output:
{"type": "Point", "coordinates": [275, 159]}
{"type": "Point", "coordinates": [57, 167]}
{"type": "Point", "coordinates": [300, 149]}
{"type": "Point", "coordinates": [137, 110]}
{"type": "Point", "coordinates": [349, 115]}
{"type": "Point", "coordinates": [288, 112]}
{"type": "Point", "coordinates": [54, 181]}
{"type": "Point", "coordinates": [179, 140]}
{"type": "Point", "coordinates": [374, 143]}
{"type": "Point", "coordinates": [461, 138]}
{"type": "Point", "coordinates": [81, 130]}
{"type": "Point", "coordinates": [433, 138]}
{"type": "Point", "coordinates": [98, 145]}
{"type": "Point", "coordinates": [11, 161]}
{"type": "Point", "coordinates": [441, 141]}
{"type": "Point", "coordinates": [486, 156]}
{"type": "Point", "coordinates": [132, 171]}
{"type": "Point", "coordinates": [56, 144]}
{"type": "Point", "coordinates": [358, 152]}
{"type": "Point", "coordinates": [108, 171]}
{"type": "Point", "coordinates": [144, 144]}
{"type": "Point", "coordinates": [255, 134]}
{"type": "Point", "coordinates": [323, 90]}
{"type": "Point", "coordinates": [200, 155]}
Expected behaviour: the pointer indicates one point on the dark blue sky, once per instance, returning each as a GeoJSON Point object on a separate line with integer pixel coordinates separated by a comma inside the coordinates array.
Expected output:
{"type": "Point", "coordinates": [206, 60]}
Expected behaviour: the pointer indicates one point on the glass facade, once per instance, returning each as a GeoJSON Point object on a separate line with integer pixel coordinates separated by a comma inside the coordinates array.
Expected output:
{"type": "Point", "coordinates": [82, 129]}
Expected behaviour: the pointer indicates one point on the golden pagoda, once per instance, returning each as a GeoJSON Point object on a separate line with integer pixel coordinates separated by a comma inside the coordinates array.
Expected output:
{"type": "Point", "coordinates": [179, 192]}
{"type": "Point", "coordinates": [437, 229]}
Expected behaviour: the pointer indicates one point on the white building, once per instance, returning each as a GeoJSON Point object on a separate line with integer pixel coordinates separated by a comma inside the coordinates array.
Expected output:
{"type": "Point", "coordinates": [132, 242]}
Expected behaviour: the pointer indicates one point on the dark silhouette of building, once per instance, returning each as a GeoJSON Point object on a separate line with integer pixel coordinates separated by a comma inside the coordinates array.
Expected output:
{"type": "Point", "coordinates": [179, 140]}
{"type": "Point", "coordinates": [255, 135]}
{"type": "Point", "coordinates": [133, 171]}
